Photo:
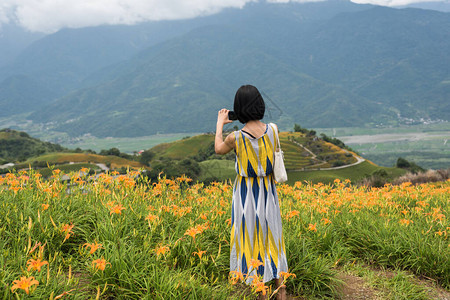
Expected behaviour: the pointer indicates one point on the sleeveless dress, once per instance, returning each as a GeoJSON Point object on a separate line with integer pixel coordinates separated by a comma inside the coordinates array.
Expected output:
{"type": "Point", "coordinates": [256, 231]}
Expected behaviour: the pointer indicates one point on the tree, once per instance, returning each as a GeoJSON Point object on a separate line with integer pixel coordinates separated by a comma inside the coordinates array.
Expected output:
{"type": "Point", "coordinates": [146, 157]}
{"type": "Point", "coordinates": [411, 166]}
{"type": "Point", "coordinates": [297, 128]}
{"type": "Point", "coordinates": [402, 163]}
{"type": "Point", "coordinates": [112, 151]}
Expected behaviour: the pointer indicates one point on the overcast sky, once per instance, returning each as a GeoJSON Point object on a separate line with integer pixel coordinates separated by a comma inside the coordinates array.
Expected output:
{"type": "Point", "coordinates": [51, 15]}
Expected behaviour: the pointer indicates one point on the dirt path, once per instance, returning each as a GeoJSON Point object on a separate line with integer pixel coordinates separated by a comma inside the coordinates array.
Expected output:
{"type": "Point", "coordinates": [355, 287]}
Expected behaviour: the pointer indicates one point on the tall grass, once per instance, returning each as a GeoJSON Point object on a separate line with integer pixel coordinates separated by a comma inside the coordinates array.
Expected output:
{"type": "Point", "coordinates": [170, 239]}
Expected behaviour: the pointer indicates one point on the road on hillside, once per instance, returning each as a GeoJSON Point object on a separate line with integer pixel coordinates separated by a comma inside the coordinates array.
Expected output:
{"type": "Point", "coordinates": [358, 160]}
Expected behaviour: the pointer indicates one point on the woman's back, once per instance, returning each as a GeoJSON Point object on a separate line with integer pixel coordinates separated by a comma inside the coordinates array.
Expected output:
{"type": "Point", "coordinates": [254, 155]}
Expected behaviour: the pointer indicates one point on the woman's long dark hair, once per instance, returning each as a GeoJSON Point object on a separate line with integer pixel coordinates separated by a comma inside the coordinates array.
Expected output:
{"type": "Point", "coordinates": [249, 104]}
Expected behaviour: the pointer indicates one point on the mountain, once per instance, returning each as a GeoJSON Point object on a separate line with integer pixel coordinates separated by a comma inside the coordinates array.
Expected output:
{"type": "Point", "coordinates": [13, 40]}
{"type": "Point", "coordinates": [443, 6]}
{"type": "Point", "coordinates": [21, 94]}
{"type": "Point", "coordinates": [180, 85]}
{"type": "Point", "coordinates": [325, 64]}
{"type": "Point", "coordinates": [62, 60]}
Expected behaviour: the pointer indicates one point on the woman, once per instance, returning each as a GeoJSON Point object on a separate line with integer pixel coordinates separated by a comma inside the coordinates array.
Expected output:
{"type": "Point", "coordinates": [256, 232]}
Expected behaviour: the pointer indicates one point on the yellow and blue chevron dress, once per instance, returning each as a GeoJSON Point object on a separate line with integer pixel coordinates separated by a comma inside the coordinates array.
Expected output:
{"type": "Point", "coordinates": [256, 231]}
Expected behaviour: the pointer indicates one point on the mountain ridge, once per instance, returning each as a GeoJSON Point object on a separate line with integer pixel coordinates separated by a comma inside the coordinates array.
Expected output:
{"type": "Point", "coordinates": [321, 69]}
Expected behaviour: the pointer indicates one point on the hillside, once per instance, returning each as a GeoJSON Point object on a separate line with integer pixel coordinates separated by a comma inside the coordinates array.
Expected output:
{"type": "Point", "coordinates": [306, 158]}
{"type": "Point", "coordinates": [25, 151]}
{"type": "Point", "coordinates": [327, 64]}
{"type": "Point", "coordinates": [18, 146]}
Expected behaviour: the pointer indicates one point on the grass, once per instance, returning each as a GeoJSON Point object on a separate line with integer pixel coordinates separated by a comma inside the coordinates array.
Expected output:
{"type": "Point", "coordinates": [353, 173]}
{"type": "Point", "coordinates": [388, 283]}
{"type": "Point", "coordinates": [150, 235]}
{"type": "Point", "coordinates": [217, 169]}
{"type": "Point", "coordinates": [184, 148]}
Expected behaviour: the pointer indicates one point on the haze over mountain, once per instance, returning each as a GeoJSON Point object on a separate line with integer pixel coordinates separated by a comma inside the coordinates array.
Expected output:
{"type": "Point", "coordinates": [323, 64]}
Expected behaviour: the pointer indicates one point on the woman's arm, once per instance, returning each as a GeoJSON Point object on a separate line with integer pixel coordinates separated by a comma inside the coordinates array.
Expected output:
{"type": "Point", "coordinates": [221, 146]}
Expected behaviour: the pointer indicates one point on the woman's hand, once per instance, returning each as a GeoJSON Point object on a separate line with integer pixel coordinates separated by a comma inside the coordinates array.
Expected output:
{"type": "Point", "coordinates": [222, 117]}
{"type": "Point", "coordinates": [221, 146]}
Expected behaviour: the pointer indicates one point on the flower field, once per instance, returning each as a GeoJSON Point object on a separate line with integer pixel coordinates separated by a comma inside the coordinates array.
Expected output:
{"type": "Point", "coordinates": [122, 237]}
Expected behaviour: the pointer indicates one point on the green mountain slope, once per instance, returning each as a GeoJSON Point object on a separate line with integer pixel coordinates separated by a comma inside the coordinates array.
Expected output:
{"type": "Point", "coordinates": [332, 74]}
{"type": "Point", "coordinates": [18, 146]}
{"type": "Point", "coordinates": [180, 85]}
{"type": "Point", "coordinates": [21, 94]}
{"type": "Point", "coordinates": [327, 64]}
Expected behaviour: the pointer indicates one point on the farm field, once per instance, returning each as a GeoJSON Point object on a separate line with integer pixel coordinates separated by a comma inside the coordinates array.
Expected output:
{"type": "Point", "coordinates": [125, 239]}
{"type": "Point", "coordinates": [426, 145]}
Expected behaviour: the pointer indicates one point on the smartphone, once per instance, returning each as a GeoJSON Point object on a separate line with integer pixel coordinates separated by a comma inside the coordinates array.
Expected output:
{"type": "Point", "coordinates": [232, 115]}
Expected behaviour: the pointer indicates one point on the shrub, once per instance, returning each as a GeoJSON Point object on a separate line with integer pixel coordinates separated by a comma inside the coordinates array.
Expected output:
{"type": "Point", "coordinates": [424, 177]}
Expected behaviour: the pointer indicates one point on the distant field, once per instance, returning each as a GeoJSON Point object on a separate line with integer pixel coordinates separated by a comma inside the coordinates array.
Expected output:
{"type": "Point", "coordinates": [426, 145]}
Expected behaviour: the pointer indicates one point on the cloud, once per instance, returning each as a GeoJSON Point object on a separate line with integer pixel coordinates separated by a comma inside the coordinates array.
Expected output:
{"type": "Point", "coordinates": [391, 2]}
{"type": "Point", "coordinates": [52, 15]}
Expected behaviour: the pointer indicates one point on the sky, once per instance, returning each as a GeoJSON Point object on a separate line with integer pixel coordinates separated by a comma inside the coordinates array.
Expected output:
{"type": "Point", "coordinates": [51, 15]}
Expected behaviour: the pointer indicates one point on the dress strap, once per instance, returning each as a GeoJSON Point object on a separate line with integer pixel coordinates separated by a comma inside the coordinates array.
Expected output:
{"type": "Point", "coordinates": [248, 133]}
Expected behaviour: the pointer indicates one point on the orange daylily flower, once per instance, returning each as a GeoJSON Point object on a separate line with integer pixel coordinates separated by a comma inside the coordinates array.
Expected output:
{"type": "Point", "coordinates": [326, 221]}
{"type": "Point", "coordinates": [255, 263]}
{"type": "Point", "coordinates": [161, 250]}
{"type": "Point", "coordinates": [261, 287]}
{"type": "Point", "coordinates": [286, 275]}
{"type": "Point", "coordinates": [117, 209]}
{"type": "Point", "coordinates": [199, 253]}
{"type": "Point", "coordinates": [258, 285]}
{"type": "Point", "coordinates": [292, 214]}
{"type": "Point", "coordinates": [67, 229]}
{"type": "Point", "coordinates": [35, 264]}
{"type": "Point", "coordinates": [405, 222]}
{"type": "Point", "coordinates": [312, 227]}
{"type": "Point", "coordinates": [192, 232]}
{"type": "Point", "coordinates": [45, 206]}
{"type": "Point", "coordinates": [24, 284]}
{"type": "Point", "coordinates": [151, 217]}
{"type": "Point", "coordinates": [93, 246]}
{"type": "Point", "coordinates": [100, 264]}
{"type": "Point", "coordinates": [236, 276]}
